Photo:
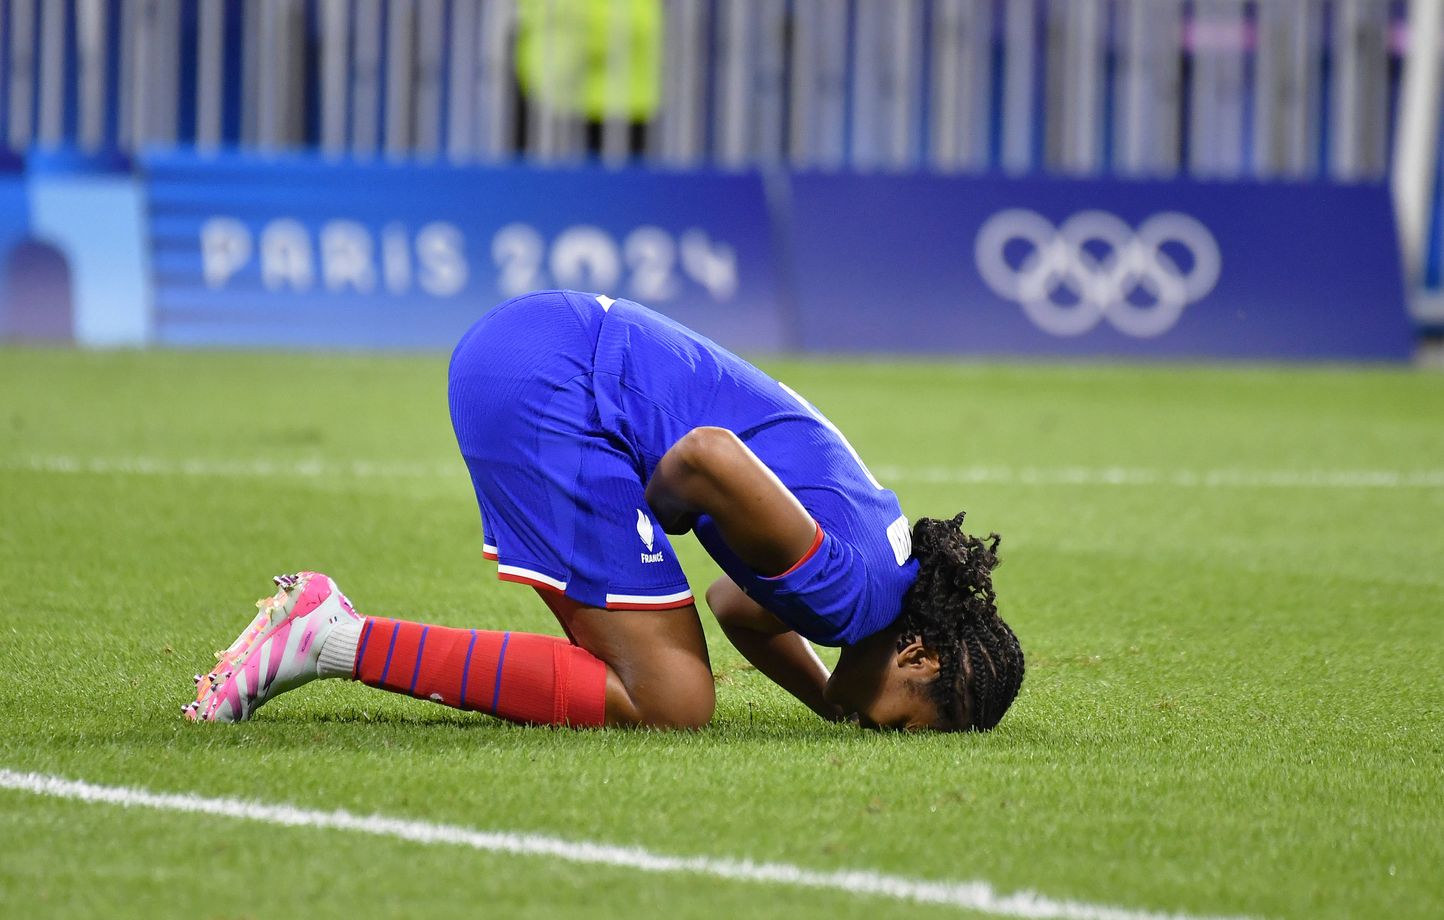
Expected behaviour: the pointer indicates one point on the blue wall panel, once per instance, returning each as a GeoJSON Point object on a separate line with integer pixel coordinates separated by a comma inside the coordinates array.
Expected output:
{"type": "Point", "coordinates": [986, 266]}
{"type": "Point", "coordinates": [309, 253]}
{"type": "Point", "coordinates": [250, 251]}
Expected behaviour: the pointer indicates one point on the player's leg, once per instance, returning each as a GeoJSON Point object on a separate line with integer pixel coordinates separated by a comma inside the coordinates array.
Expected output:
{"type": "Point", "coordinates": [309, 630]}
{"type": "Point", "coordinates": [711, 471]}
{"type": "Point", "coordinates": [521, 677]}
{"type": "Point", "coordinates": [634, 668]}
{"type": "Point", "coordinates": [627, 668]}
{"type": "Point", "coordinates": [657, 670]}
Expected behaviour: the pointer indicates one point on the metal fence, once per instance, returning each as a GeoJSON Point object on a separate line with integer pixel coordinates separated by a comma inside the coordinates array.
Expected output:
{"type": "Point", "coordinates": [1224, 89]}
{"type": "Point", "coordinates": [1212, 87]}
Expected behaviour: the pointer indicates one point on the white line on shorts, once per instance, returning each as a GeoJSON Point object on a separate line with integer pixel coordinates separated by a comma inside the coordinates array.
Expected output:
{"type": "Point", "coordinates": [1106, 476]}
{"type": "Point", "coordinates": [978, 896]}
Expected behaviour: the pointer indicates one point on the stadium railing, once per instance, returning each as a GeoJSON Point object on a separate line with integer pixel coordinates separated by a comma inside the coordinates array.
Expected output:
{"type": "Point", "coordinates": [1347, 90]}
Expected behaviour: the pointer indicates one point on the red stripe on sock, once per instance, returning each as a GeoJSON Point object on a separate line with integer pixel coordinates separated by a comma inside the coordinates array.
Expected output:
{"type": "Point", "coordinates": [544, 680]}
{"type": "Point", "coordinates": [403, 659]}
{"type": "Point", "coordinates": [530, 664]}
{"type": "Point", "coordinates": [377, 633]}
{"type": "Point", "coordinates": [481, 676]}
{"type": "Point", "coordinates": [442, 647]}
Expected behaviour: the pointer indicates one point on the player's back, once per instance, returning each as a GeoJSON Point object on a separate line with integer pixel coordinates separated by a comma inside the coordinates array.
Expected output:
{"type": "Point", "coordinates": [655, 380]}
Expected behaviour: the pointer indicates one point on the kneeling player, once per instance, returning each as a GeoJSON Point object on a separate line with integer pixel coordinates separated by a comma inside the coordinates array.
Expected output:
{"type": "Point", "coordinates": [592, 428]}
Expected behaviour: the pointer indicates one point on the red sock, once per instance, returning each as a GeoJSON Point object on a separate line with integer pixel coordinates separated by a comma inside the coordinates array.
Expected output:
{"type": "Point", "coordinates": [517, 676]}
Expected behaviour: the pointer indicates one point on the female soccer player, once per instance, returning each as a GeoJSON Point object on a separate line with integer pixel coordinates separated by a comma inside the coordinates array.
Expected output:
{"type": "Point", "coordinates": [594, 427]}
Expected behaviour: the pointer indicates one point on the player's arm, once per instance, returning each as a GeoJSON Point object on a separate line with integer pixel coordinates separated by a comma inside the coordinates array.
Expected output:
{"type": "Point", "coordinates": [710, 471]}
{"type": "Point", "coordinates": [772, 647]}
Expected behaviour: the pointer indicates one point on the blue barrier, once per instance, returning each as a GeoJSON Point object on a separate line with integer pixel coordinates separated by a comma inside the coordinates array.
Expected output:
{"type": "Point", "coordinates": [251, 251]}
{"type": "Point", "coordinates": [18, 318]}
{"type": "Point", "coordinates": [986, 266]}
{"type": "Point", "coordinates": [72, 246]}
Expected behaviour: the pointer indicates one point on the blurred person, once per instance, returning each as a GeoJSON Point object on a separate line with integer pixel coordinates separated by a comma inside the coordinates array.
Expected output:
{"type": "Point", "coordinates": [589, 60]}
{"type": "Point", "coordinates": [594, 427]}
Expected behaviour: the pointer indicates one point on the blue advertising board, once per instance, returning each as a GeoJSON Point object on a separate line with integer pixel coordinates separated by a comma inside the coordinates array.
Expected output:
{"type": "Point", "coordinates": [21, 315]}
{"type": "Point", "coordinates": [1070, 267]}
{"type": "Point", "coordinates": [14, 204]}
{"type": "Point", "coordinates": [309, 252]}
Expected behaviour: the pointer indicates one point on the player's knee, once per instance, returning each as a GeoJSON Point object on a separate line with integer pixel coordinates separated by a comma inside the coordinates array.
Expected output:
{"type": "Point", "coordinates": [717, 601]}
{"type": "Point", "coordinates": [692, 715]}
{"type": "Point", "coordinates": [685, 704]}
{"type": "Point", "coordinates": [734, 610]}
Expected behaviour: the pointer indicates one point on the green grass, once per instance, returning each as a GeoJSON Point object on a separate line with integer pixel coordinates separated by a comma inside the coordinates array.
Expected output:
{"type": "Point", "coordinates": [1234, 701]}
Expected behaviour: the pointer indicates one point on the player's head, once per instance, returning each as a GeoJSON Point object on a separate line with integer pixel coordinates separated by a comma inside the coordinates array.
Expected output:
{"type": "Point", "coordinates": [953, 610]}
{"type": "Point", "coordinates": [949, 662]}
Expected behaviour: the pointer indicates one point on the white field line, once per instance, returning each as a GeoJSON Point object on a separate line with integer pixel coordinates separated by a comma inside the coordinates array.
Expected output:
{"type": "Point", "coordinates": [978, 896]}
{"type": "Point", "coordinates": [309, 468]}
{"type": "Point", "coordinates": [1238, 478]}
{"type": "Point", "coordinates": [1116, 476]}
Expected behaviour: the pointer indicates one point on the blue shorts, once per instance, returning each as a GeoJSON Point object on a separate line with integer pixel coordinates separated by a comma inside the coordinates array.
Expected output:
{"type": "Point", "coordinates": [562, 501]}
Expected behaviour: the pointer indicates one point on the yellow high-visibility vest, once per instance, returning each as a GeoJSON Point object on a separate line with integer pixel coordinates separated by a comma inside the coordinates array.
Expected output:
{"type": "Point", "coordinates": [563, 56]}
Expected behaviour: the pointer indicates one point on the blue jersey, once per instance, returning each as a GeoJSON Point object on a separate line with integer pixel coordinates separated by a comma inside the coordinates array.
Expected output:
{"type": "Point", "coordinates": [636, 382]}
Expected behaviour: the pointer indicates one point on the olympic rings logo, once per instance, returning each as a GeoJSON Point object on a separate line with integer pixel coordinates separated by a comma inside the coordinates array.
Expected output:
{"type": "Point", "coordinates": [1096, 267]}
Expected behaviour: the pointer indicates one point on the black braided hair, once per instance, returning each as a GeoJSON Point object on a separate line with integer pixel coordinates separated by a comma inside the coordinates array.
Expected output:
{"type": "Point", "coordinates": [953, 610]}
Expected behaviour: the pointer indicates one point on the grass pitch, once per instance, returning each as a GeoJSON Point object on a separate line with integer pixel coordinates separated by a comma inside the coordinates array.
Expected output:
{"type": "Point", "coordinates": [1227, 581]}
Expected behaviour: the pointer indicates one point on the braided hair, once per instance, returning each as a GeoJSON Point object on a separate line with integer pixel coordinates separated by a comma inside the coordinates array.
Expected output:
{"type": "Point", "coordinates": [953, 610]}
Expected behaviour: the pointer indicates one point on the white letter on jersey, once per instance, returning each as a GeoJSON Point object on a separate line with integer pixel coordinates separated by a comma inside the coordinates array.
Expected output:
{"type": "Point", "coordinates": [900, 536]}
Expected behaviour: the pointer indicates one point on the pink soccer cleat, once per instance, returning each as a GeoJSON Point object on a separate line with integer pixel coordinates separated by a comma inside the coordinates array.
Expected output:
{"type": "Point", "coordinates": [276, 653]}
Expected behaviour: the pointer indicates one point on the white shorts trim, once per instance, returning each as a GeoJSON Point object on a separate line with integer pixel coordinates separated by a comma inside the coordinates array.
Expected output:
{"type": "Point", "coordinates": [520, 572]}
{"type": "Point", "coordinates": [648, 598]}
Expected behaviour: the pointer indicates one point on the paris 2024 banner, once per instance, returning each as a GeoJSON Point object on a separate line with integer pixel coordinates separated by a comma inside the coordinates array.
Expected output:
{"type": "Point", "coordinates": [253, 251]}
